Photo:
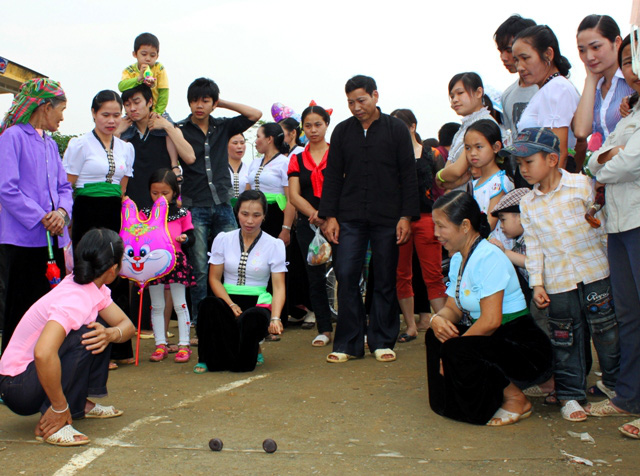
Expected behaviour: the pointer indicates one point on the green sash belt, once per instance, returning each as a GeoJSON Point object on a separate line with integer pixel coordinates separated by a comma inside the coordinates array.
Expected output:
{"type": "Point", "coordinates": [512, 316]}
{"type": "Point", "coordinates": [261, 291]}
{"type": "Point", "coordinates": [279, 198]}
{"type": "Point", "coordinates": [99, 189]}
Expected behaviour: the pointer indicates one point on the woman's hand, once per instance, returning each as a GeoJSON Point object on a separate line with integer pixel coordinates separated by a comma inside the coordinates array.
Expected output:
{"type": "Point", "coordinates": [275, 327]}
{"type": "Point", "coordinates": [98, 339]}
{"type": "Point", "coordinates": [237, 310]}
{"type": "Point", "coordinates": [182, 238]}
{"type": "Point", "coordinates": [314, 219]}
{"type": "Point", "coordinates": [53, 222]}
{"type": "Point", "coordinates": [443, 328]}
{"type": "Point", "coordinates": [285, 235]}
{"type": "Point", "coordinates": [158, 122]}
{"type": "Point", "coordinates": [52, 422]}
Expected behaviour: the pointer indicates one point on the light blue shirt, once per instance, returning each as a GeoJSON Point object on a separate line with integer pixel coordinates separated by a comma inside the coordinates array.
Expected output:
{"type": "Point", "coordinates": [487, 272]}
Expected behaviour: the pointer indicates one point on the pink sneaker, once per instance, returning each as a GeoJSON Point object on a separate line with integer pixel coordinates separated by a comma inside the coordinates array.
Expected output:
{"type": "Point", "coordinates": [159, 354]}
{"type": "Point", "coordinates": [183, 355]}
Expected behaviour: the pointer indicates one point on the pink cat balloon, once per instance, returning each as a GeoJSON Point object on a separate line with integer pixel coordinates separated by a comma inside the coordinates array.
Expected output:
{"type": "Point", "coordinates": [148, 250]}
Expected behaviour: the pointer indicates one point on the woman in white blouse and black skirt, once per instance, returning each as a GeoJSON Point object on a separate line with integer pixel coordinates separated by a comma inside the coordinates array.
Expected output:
{"type": "Point", "coordinates": [232, 324]}
{"type": "Point", "coordinates": [99, 165]}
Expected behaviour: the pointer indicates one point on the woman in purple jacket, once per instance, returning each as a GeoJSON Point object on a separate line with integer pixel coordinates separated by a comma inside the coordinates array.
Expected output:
{"type": "Point", "coordinates": [35, 196]}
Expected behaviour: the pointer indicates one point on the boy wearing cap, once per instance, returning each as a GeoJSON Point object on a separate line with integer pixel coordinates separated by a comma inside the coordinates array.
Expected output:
{"type": "Point", "coordinates": [568, 269]}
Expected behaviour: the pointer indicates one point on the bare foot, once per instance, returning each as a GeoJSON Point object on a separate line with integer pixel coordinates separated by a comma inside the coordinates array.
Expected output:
{"type": "Point", "coordinates": [631, 428]}
{"type": "Point", "coordinates": [514, 401]}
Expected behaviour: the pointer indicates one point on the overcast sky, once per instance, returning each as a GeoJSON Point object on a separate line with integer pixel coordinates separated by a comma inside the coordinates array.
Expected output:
{"type": "Point", "coordinates": [261, 52]}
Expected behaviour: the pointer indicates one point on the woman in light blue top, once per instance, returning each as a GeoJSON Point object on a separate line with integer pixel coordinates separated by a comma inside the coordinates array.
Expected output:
{"type": "Point", "coordinates": [483, 346]}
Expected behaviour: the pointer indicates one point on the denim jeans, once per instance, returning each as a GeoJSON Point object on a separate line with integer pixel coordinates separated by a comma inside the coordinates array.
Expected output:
{"type": "Point", "coordinates": [624, 257]}
{"type": "Point", "coordinates": [82, 375]}
{"type": "Point", "coordinates": [207, 223]}
{"type": "Point", "coordinates": [569, 312]}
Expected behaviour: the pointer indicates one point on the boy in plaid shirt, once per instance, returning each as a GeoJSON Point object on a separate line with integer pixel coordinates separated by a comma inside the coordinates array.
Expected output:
{"type": "Point", "coordinates": [568, 269]}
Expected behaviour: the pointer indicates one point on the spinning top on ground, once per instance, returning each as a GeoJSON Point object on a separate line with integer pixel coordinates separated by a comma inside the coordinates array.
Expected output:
{"type": "Point", "coordinates": [216, 444]}
{"type": "Point", "coordinates": [269, 445]}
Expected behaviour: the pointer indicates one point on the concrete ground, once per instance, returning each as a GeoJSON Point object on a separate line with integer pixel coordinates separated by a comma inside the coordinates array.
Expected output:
{"type": "Point", "coordinates": [361, 417]}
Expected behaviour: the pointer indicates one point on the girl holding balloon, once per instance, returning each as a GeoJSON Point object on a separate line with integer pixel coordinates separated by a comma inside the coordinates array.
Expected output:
{"type": "Point", "coordinates": [164, 183]}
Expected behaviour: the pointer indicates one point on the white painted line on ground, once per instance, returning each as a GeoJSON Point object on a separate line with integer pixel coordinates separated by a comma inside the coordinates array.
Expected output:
{"type": "Point", "coordinates": [77, 462]}
{"type": "Point", "coordinates": [82, 460]}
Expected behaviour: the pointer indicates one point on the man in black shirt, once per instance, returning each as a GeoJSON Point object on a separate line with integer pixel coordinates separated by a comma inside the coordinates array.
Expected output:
{"type": "Point", "coordinates": [206, 189]}
{"type": "Point", "coordinates": [370, 194]}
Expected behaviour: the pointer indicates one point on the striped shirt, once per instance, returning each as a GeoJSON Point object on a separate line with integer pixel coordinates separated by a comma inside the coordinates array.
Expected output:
{"type": "Point", "coordinates": [606, 111]}
{"type": "Point", "coordinates": [562, 248]}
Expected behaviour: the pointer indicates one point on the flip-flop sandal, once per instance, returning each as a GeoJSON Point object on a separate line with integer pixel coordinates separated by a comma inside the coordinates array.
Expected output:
{"type": "Point", "coordinates": [172, 348]}
{"type": "Point", "coordinates": [260, 359]}
{"type": "Point", "coordinates": [635, 423]}
{"type": "Point", "coordinates": [506, 417]}
{"type": "Point", "coordinates": [404, 338]}
{"type": "Point", "coordinates": [320, 340]}
{"type": "Point", "coordinates": [551, 399]}
{"type": "Point", "coordinates": [604, 408]}
{"type": "Point", "coordinates": [193, 342]}
{"type": "Point", "coordinates": [572, 406]}
{"type": "Point", "coordinates": [113, 365]}
{"type": "Point", "coordinates": [272, 338]}
{"type": "Point", "coordinates": [309, 321]}
{"type": "Point", "coordinates": [611, 394]}
{"type": "Point", "coordinates": [379, 354]}
{"type": "Point", "coordinates": [339, 357]}
{"type": "Point", "coordinates": [200, 368]}
{"type": "Point", "coordinates": [535, 392]}
{"type": "Point", "coordinates": [65, 437]}
{"type": "Point", "coordinates": [100, 411]}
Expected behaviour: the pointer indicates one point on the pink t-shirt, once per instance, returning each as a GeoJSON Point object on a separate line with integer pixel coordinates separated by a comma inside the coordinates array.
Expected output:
{"type": "Point", "coordinates": [177, 224]}
{"type": "Point", "coordinates": [70, 304]}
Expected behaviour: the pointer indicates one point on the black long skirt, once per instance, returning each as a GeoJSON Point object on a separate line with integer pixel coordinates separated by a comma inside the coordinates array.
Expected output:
{"type": "Point", "coordinates": [478, 368]}
{"type": "Point", "coordinates": [226, 342]}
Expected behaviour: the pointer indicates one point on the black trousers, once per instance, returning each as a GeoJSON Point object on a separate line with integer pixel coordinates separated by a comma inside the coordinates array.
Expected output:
{"type": "Point", "coordinates": [226, 342]}
{"type": "Point", "coordinates": [83, 375]}
{"type": "Point", "coordinates": [384, 321]}
{"type": "Point", "coordinates": [26, 281]}
{"type": "Point", "coordinates": [105, 212]}
{"type": "Point", "coordinates": [317, 277]}
{"type": "Point", "coordinates": [478, 368]}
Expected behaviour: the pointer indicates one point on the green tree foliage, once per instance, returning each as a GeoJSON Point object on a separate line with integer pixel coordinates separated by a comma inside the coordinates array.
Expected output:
{"type": "Point", "coordinates": [62, 141]}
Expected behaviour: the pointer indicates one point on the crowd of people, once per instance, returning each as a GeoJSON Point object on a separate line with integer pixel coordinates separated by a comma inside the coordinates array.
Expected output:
{"type": "Point", "coordinates": [532, 201]}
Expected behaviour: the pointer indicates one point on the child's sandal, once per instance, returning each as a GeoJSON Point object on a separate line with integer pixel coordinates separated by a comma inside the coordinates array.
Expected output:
{"type": "Point", "coordinates": [159, 354]}
{"type": "Point", "coordinates": [183, 355]}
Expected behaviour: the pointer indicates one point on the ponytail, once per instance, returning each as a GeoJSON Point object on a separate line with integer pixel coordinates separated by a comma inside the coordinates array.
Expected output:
{"type": "Point", "coordinates": [271, 129]}
{"type": "Point", "coordinates": [98, 250]}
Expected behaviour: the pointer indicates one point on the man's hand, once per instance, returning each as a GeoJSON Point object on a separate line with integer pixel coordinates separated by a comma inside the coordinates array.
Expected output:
{"type": "Point", "coordinates": [540, 297]}
{"type": "Point", "coordinates": [331, 230]}
{"type": "Point", "coordinates": [403, 231]}
{"type": "Point", "coordinates": [285, 235]}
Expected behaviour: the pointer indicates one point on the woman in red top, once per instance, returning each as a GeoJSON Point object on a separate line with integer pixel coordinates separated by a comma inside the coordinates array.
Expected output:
{"type": "Point", "coordinates": [306, 176]}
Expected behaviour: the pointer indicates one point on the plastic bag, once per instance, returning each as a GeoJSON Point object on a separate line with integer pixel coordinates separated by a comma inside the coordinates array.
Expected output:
{"type": "Point", "coordinates": [319, 249]}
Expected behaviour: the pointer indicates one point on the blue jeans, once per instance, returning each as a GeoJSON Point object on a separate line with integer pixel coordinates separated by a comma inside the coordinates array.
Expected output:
{"type": "Point", "coordinates": [83, 375]}
{"type": "Point", "coordinates": [624, 258]}
{"type": "Point", "coordinates": [384, 319]}
{"type": "Point", "coordinates": [207, 223]}
{"type": "Point", "coordinates": [569, 312]}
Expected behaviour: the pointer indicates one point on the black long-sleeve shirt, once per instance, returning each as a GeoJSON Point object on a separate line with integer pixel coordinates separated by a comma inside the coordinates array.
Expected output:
{"type": "Point", "coordinates": [370, 177]}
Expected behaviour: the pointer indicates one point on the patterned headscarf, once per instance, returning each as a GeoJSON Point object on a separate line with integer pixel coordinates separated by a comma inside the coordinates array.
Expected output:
{"type": "Point", "coordinates": [33, 93]}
